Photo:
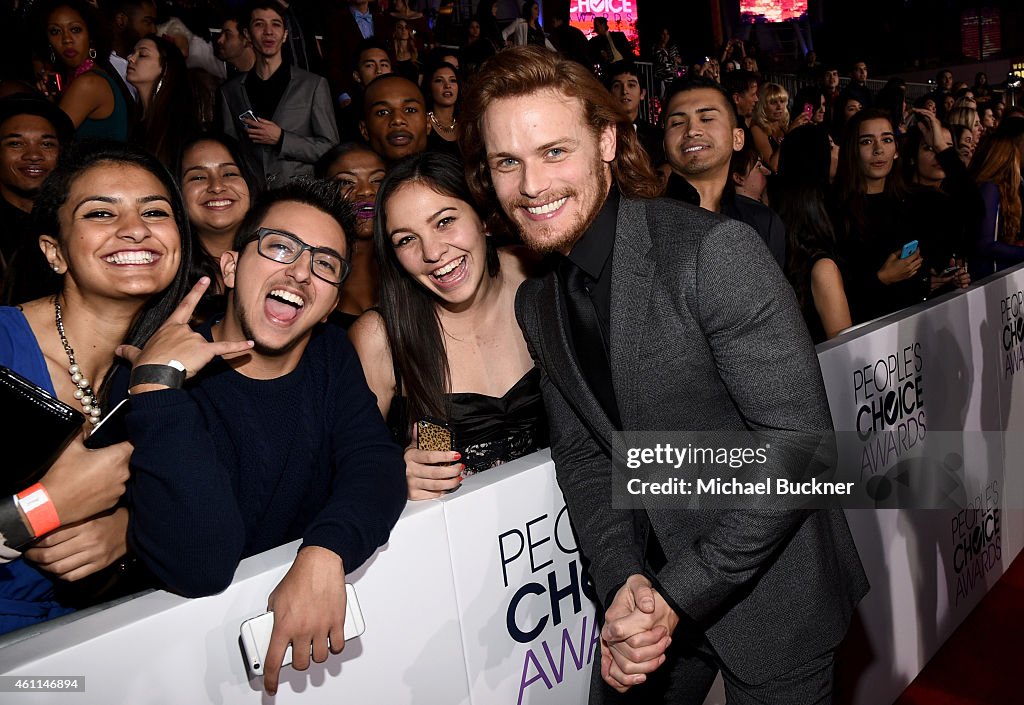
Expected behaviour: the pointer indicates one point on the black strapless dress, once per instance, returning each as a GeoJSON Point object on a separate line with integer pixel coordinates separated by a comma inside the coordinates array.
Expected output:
{"type": "Point", "coordinates": [488, 430]}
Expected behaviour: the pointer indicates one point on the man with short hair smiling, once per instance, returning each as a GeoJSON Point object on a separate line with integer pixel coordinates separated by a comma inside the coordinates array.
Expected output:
{"type": "Point", "coordinates": [279, 440]}
{"type": "Point", "coordinates": [32, 131]}
{"type": "Point", "coordinates": [657, 315]}
{"type": "Point", "coordinates": [291, 124]}
{"type": "Point", "coordinates": [394, 117]}
{"type": "Point", "coordinates": [702, 132]}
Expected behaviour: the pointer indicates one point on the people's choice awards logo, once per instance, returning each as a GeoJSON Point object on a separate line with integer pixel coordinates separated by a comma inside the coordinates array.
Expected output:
{"type": "Point", "coordinates": [1011, 311]}
{"type": "Point", "coordinates": [553, 596]}
{"type": "Point", "coordinates": [890, 412]}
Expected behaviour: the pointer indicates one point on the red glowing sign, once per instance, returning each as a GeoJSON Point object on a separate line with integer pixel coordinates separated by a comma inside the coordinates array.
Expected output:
{"type": "Point", "coordinates": [772, 10]}
{"type": "Point", "coordinates": [621, 15]}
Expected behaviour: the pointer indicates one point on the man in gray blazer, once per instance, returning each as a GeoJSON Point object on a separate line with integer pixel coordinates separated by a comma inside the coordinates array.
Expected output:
{"type": "Point", "coordinates": [662, 316]}
{"type": "Point", "coordinates": [281, 115]}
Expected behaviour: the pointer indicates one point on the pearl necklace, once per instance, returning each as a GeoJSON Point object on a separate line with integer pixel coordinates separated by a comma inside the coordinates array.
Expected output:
{"type": "Point", "coordinates": [442, 128]}
{"type": "Point", "coordinates": [84, 393]}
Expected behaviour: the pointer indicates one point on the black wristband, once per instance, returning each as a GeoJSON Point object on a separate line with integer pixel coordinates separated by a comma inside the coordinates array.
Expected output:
{"type": "Point", "coordinates": [157, 374]}
{"type": "Point", "coordinates": [12, 527]}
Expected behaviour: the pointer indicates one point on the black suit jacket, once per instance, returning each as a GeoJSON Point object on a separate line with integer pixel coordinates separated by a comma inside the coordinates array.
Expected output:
{"type": "Point", "coordinates": [705, 335]}
{"type": "Point", "coordinates": [601, 54]}
{"type": "Point", "coordinates": [341, 36]}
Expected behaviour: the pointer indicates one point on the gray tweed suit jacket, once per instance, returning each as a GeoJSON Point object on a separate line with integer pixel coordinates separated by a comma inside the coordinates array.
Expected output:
{"type": "Point", "coordinates": [305, 113]}
{"type": "Point", "coordinates": [705, 335]}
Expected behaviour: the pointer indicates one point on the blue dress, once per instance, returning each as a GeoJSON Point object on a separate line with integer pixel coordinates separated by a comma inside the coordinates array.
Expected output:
{"type": "Point", "coordinates": [26, 593]}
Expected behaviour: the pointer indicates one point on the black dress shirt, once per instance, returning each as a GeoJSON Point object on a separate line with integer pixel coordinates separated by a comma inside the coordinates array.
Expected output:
{"type": "Point", "coordinates": [586, 278]}
{"type": "Point", "coordinates": [593, 254]}
{"type": "Point", "coordinates": [266, 94]}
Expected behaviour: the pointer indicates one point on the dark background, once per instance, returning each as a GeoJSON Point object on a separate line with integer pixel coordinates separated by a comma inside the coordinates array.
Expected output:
{"type": "Point", "coordinates": [891, 35]}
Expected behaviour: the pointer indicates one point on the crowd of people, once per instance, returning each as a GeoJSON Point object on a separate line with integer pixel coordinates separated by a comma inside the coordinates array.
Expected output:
{"type": "Point", "coordinates": [161, 192]}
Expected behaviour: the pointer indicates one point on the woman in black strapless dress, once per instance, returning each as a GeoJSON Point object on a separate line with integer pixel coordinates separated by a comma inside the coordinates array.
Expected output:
{"type": "Point", "coordinates": [444, 342]}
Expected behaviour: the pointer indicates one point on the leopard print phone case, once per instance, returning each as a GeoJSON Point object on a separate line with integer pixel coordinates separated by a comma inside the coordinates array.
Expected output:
{"type": "Point", "coordinates": [433, 434]}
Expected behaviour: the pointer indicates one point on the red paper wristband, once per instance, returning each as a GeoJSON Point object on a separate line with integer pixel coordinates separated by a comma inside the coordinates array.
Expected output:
{"type": "Point", "coordinates": [42, 515]}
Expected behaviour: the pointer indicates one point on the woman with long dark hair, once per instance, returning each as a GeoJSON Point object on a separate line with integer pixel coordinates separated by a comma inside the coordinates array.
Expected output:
{"type": "Point", "coordinates": [444, 343]}
{"type": "Point", "coordinates": [668, 62]}
{"type": "Point", "coordinates": [942, 194]}
{"type": "Point", "coordinates": [896, 251]}
{"type": "Point", "coordinates": [443, 92]}
{"type": "Point", "coordinates": [403, 48]}
{"type": "Point", "coordinates": [112, 225]}
{"type": "Point", "coordinates": [526, 28]}
{"type": "Point", "coordinates": [90, 90]}
{"type": "Point", "coordinates": [217, 188]}
{"type": "Point", "coordinates": [417, 22]}
{"type": "Point", "coordinates": [157, 70]}
{"type": "Point", "coordinates": [800, 195]}
{"type": "Point", "coordinates": [872, 223]}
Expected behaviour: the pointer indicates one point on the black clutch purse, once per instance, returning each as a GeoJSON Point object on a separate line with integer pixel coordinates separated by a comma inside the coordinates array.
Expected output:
{"type": "Point", "coordinates": [38, 427]}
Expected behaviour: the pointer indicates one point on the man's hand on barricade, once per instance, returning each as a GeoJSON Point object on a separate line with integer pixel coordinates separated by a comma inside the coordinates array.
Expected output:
{"type": "Point", "coordinates": [309, 613]}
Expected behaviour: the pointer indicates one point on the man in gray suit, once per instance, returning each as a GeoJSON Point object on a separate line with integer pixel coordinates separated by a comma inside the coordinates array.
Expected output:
{"type": "Point", "coordinates": [281, 115]}
{"type": "Point", "coordinates": [662, 316]}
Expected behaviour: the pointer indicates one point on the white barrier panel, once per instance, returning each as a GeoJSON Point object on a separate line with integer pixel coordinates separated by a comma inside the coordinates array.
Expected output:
{"type": "Point", "coordinates": [528, 629]}
{"type": "Point", "coordinates": [1000, 315]}
{"type": "Point", "coordinates": [160, 648]}
{"type": "Point", "coordinates": [479, 598]}
{"type": "Point", "coordinates": [920, 389]}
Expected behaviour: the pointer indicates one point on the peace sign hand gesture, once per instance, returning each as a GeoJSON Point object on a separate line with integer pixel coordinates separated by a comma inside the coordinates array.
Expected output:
{"type": "Point", "coordinates": [175, 340]}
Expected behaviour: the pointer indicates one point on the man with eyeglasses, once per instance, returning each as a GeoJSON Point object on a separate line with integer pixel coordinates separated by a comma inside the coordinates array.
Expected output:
{"type": "Point", "coordinates": [702, 132]}
{"type": "Point", "coordinates": [259, 429]}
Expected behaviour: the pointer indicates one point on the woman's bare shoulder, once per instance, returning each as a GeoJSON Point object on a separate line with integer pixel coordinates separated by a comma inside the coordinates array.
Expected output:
{"type": "Point", "coordinates": [368, 331]}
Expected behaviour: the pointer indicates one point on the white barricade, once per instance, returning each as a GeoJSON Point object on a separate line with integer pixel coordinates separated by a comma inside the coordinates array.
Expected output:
{"type": "Point", "coordinates": [480, 597]}
{"type": "Point", "coordinates": [931, 379]}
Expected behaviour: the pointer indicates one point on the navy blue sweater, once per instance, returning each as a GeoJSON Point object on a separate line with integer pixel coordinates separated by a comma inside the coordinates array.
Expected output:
{"type": "Point", "coordinates": [230, 466]}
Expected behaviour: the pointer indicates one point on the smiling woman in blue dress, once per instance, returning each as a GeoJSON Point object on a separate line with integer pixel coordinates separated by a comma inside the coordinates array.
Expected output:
{"type": "Point", "coordinates": [113, 227]}
{"type": "Point", "coordinates": [444, 342]}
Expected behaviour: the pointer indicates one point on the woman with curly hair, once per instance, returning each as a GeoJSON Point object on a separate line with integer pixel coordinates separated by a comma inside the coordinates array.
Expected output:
{"type": "Point", "coordinates": [89, 89]}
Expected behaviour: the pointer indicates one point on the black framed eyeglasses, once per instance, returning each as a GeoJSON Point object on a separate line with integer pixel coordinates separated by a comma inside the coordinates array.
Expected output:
{"type": "Point", "coordinates": [284, 247]}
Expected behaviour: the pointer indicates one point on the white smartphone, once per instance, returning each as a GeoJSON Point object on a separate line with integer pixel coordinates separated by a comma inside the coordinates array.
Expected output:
{"type": "Point", "coordinates": [256, 632]}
